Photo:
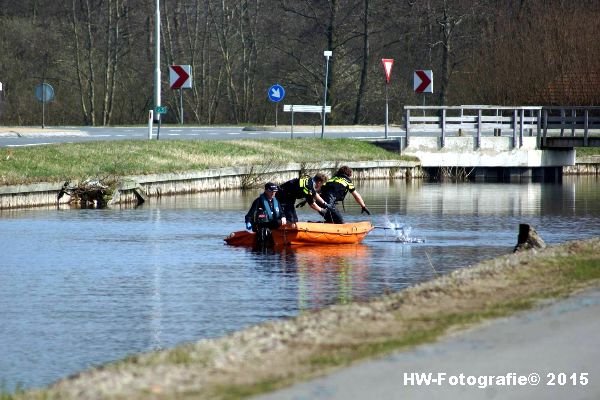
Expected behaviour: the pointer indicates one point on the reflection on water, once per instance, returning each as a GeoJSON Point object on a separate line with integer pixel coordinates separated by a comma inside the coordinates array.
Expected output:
{"type": "Point", "coordinates": [83, 287]}
{"type": "Point", "coordinates": [330, 274]}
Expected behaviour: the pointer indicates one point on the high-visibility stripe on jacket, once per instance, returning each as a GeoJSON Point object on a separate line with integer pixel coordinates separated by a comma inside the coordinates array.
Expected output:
{"type": "Point", "coordinates": [336, 188]}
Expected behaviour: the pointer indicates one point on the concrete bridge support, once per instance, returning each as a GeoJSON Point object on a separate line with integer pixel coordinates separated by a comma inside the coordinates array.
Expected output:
{"type": "Point", "coordinates": [494, 159]}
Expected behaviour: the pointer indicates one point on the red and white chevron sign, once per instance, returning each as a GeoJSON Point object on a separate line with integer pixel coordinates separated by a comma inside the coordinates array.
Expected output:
{"type": "Point", "coordinates": [180, 76]}
{"type": "Point", "coordinates": [423, 81]}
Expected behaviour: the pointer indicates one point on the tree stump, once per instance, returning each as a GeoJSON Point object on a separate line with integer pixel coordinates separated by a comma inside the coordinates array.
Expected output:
{"type": "Point", "coordinates": [528, 239]}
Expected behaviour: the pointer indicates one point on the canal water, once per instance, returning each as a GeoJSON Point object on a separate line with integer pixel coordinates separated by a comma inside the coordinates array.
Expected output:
{"type": "Point", "coordinates": [83, 287]}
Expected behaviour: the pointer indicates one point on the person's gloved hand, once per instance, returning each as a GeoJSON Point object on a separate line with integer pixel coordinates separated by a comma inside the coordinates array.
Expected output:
{"type": "Point", "coordinates": [301, 204]}
{"type": "Point", "coordinates": [323, 212]}
{"type": "Point", "coordinates": [249, 226]}
{"type": "Point", "coordinates": [365, 210]}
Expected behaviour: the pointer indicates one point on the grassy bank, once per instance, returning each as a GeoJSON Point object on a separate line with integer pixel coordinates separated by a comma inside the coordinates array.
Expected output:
{"type": "Point", "coordinates": [587, 151]}
{"type": "Point", "coordinates": [78, 161]}
{"type": "Point", "coordinates": [272, 355]}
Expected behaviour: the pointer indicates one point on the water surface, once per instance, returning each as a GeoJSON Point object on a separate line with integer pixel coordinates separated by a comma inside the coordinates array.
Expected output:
{"type": "Point", "coordinates": [83, 287]}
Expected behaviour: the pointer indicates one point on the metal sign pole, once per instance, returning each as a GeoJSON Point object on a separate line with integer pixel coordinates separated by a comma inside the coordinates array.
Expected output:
{"type": "Point", "coordinates": [276, 107]}
{"type": "Point", "coordinates": [181, 104]}
{"type": "Point", "coordinates": [43, 104]}
{"type": "Point", "coordinates": [327, 54]}
{"type": "Point", "coordinates": [1, 105]}
{"type": "Point", "coordinates": [386, 110]}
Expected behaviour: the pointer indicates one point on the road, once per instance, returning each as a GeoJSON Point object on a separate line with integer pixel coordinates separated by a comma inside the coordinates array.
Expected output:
{"type": "Point", "coordinates": [557, 344]}
{"type": "Point", "coordinates": [23, 136]}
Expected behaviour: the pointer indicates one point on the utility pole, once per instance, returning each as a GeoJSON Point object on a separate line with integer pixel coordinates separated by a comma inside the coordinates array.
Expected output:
{"type": "Point", "coordinates": [157, 99]}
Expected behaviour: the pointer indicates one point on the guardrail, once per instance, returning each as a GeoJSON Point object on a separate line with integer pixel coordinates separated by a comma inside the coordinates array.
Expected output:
{"type": "Point", "coordinates": [448, 120]}
{"type": "Point", "coordinates": [294, 108]}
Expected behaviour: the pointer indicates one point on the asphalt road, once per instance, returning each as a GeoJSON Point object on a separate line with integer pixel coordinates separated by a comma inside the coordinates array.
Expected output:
{"type": "Point", "coordinates": [549, 353]}
{"type": "Point", "coordinates": [23, 136]}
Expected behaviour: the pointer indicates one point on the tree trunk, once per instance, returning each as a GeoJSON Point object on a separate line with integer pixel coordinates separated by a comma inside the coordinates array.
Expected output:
{"type": "Point", "coordinates": [365, 64]}
{"type": "Point", "coordinates": [528, 239]}
{"type": "Point", "coordinates": [90, 64]}
{"type": "Point", "coordinates": [78, 64]}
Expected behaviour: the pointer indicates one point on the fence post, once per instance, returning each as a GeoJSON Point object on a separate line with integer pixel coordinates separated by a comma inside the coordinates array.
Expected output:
{"type": "Point", "coordinates": [407, 125]}
{"type": "Point", "coordinates": [545, 127]}
{"type": "Point", "coordinates": [573, 121]}
{"type": "Point", "coordinates": [514, 123]}
{"type": "Point", "coordinates": [443, 127]}
{"type": "Point", "coordinates": [292, 127]}
{"type": "Point", "coordinates": [479, 116]}
{"type": "Point", "coordinates": [521, 127]}
{"type": "Point", "coordinates": [585, 127]}
{"type": "Point", "coordinates": [562, 121]}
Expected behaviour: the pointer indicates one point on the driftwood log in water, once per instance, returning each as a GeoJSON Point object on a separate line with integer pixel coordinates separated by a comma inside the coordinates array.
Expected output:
{"type": "Point", "coordinates": [528, 239]}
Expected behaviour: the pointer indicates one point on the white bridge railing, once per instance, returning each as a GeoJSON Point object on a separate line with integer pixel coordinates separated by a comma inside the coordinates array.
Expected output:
{"type": "Point", "coordinates": [571, 119]}
{"type": "Point", "coordinates": [458, 120]}
{"type": "Point", "coordinates": [503, 121]}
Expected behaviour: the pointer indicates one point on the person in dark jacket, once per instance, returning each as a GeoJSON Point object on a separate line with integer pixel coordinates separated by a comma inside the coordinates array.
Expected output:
{"type": "Point", "coordinates": [335, 189]}
{"type": "Point", "coordinates": [265, 214]}
{"type": "Point", "coordinates": [306, 188]}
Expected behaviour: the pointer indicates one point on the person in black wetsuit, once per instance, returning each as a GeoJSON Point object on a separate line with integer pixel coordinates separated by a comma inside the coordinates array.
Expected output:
{"type": "Point", "coordinates": [335, 189]}
{"type": "Point", "coordinates": [306, 188]}
{"type": "Point", "coordinates": [265, 214]}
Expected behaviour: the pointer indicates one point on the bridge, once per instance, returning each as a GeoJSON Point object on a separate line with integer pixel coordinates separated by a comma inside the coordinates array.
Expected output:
{"type": "Point", "coordinates": [500, 142]}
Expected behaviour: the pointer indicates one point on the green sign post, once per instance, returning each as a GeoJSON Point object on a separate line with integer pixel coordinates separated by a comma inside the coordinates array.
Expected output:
{"type": "Point", "coordinates": [160, 110]}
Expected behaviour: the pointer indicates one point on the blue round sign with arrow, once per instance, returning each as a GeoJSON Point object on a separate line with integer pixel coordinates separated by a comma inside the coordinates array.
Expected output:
{"type": "Point", "coordinates": [276, 93]}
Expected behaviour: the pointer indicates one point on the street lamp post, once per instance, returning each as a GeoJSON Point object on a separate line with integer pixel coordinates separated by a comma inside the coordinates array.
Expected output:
{"type": "Point", "coordinates": [157, 100]}
{"type": "Point", "coordinates": [327, 54]}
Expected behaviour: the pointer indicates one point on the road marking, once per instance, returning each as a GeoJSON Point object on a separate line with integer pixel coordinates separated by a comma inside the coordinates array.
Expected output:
{"type": "Point", "coordinates": [233, 133]}
{"type": "Point", "coordinates": [174, 134]}
{"type": "Point", "coordinates": [25, 145]}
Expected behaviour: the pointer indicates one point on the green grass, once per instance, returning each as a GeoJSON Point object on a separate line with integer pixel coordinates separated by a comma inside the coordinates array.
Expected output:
{"type": "Point", "coordinates": [587, 151]}
{"type": "Point", "coordinates": [580, 269]}
{"type": "Point", "coordinates": [78, 161]}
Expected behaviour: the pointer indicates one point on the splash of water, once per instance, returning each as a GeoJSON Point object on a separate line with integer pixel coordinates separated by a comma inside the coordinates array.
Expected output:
{"type": "Point", "coordinates": [399, 232]}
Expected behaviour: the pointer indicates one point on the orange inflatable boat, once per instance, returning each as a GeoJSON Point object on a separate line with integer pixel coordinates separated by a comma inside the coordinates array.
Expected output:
{"type": "Point", "coordinates": [308, 233]}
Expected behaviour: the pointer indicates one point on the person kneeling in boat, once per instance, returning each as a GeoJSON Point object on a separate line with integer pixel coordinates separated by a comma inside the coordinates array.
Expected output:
{"type": "Point", "coordinates": [265, 214]}
{"type": "Point", "coordinates": [335, 189]}
{"type": "Point", "coordinates": [306, 188]}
